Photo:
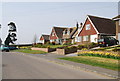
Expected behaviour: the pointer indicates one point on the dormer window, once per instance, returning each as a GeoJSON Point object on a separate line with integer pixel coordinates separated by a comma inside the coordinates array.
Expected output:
{"type": "Point", "coordinates": [68, 32]}
{"type": "Point", "coordinates": [65, 32]}
{"type": "Point", "coordinates": [88, 27]}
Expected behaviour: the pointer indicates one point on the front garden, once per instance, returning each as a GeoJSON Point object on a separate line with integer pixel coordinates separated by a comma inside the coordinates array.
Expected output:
{"type": "Point", "coordinates": [105, 57]}
{"type": "Point", "coordinates": [103, 54]}
{"type": "Point", "coordinates": [25, 50]}
{"type": "Point", "coordinates": [107, 63]}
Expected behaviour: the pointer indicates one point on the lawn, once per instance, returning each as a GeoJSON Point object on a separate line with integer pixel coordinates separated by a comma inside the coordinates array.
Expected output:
{"type": "Point", "coordinates": [56, 46]}
{"type": "Point", "coordinates": [30, 51]}
{"type": "Point", "coordinates": [95, 61]}
{"type": "Point", "coordinates": [112, 48]}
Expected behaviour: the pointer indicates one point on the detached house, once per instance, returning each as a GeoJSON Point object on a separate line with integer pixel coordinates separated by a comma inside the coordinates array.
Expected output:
{"type": "Point", "coordinates": [117, 22]}
{"type": "Point", "coordinates": [44, 39]}
{"type": "Point", "coordinates": [56, 35]}
{"type": "Point", "coordinates": [69, 35]}
{"type": "Point", "coordinates": [61, 35]}
{"type": "Point", "coordinates": [96, 27]}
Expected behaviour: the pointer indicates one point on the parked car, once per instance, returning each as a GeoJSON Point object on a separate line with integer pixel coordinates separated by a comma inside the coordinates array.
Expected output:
{"type": "Point", "coordinates": [4, 48]}
{"type": "Point", "coordinates": [107, 41]}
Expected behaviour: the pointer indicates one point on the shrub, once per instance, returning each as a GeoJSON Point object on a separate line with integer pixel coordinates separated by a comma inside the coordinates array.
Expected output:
{"type": "Point", "coordinates": [80, 46]}
{"type": "Point", "coordinates": [116, 49]}
{"type": "Point", "coordinates": [40, 46]}
{"type": "Point", "coordinates": [53, 43]}
{"type": "Point", "coordinates": [73, 47]}
{"type": "Point", "coordinates": [67, 44]}
{"type": "Point", "coordinates": [99, 54]}
{"type": "Point", "coordinates": [92, 45]}
{"type": "Point", "coordinates": [84, 49]}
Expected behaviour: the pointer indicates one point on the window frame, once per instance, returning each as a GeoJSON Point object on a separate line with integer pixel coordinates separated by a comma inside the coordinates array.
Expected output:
{"type": "Point", "coordinates": [87, 26]}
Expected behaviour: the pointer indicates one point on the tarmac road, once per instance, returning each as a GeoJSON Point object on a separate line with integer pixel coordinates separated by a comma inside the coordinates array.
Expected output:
{"type": "Point", "coordinates": [22, 66]}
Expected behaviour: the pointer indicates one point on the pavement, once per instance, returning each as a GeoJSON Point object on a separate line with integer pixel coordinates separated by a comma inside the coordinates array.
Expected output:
{"type": "Point", "coordinates": [43, 66]}
{"type": "Point", "coordinates": [52, 57]}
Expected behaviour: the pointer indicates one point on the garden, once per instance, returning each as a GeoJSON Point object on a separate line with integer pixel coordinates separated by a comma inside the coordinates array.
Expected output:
{"type": "Point", "coordinates": [26, 50]}
{"type": "Point", "coordinates": [107, 63]}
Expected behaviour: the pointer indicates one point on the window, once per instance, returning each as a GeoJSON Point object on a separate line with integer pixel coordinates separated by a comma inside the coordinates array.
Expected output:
{"type": "Point", "coordinates": [65, 32]}
{"type": "Point", "coordinates": [79, 39]}
{"type": "Point", "coordinates": [85, 38]}
{"type": "Point", "coordinates": [53, 34]}
{"type": "Point", "coordinates": [88, 27]}
{"type": "Point", "coordinates": [68, 32]}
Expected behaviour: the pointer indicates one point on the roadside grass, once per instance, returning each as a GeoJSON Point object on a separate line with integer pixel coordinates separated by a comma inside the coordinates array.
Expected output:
{"type": "Point", "coordinates": [29, 51]}
{"type": "Point", "coordinates": [95, 61]}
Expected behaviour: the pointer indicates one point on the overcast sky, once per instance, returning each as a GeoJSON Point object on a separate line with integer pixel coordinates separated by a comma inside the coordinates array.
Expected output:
{"type": "Point", "coordinates": [39, 17]}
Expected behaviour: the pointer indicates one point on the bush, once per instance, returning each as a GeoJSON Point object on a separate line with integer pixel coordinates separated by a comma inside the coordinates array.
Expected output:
{"type": "Point", "coordinates": [53, 43]}
{"type": "Point", "coordinates": [40, 46]}
{"type": "Point", "coordinates": [67, 44]}
{"type": "Point", "coordinates": [116, 49]}
{"type": "Point", "coordinates": [72, 47]}
{"type": "Point", "coordinates": [118, 46]}
{"type": "Point", "coordinates": [80, 47]}
{"type": "Point", "coordinates": [92, 45]}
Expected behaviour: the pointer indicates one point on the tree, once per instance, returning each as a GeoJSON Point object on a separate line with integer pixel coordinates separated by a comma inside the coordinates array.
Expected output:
{"type": "Point", "coordinates": [35, 39]}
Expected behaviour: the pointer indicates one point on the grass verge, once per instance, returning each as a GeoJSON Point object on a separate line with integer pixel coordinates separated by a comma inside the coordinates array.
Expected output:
{"type": "Point", "coordinates": [95, 61]}
{"type": "Point", "coordinates": [30, 51]}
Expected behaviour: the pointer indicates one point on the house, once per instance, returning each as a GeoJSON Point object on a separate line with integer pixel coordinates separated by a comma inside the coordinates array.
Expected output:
{"type": "Point", "coordinates": [44, 39]}
{"type": "Point", "coordinates": [56, 35]}
{"type": "Point", "coordinates": [62, 35]}
{"type": "Point", "coordinates": [69, 34]}
{"type": "Point", "coordinates": [95, 28]}
{"type": "Point", "coordinates": [117, 22]}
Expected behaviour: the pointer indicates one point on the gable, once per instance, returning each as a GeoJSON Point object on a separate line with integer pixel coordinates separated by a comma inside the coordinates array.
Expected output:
{"type": "Point", "coordinates": [103, 25]}
{"type": "Point", "coordinates": [88, 29]}
{"type": "Point", "coordinates": [41, 38]}
{"type": "Point", "coordinates": [53, 35]}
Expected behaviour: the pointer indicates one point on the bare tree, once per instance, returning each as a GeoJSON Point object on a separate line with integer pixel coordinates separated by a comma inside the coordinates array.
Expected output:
{"type": "Point", "coordinates": [35, 39]}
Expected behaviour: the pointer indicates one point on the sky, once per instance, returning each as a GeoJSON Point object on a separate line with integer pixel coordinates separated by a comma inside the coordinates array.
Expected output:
{"type": "Point", "coordinates": [39, 17]}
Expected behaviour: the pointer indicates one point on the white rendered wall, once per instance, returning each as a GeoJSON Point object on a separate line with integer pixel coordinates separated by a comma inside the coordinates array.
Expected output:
{"type": "Point", "coordinates": [93, 38]}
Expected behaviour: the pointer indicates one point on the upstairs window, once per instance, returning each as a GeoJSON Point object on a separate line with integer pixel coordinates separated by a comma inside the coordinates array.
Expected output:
{"type": "Point", "coordinates": [68, 32]}
{"type": "Point", "coordinates": [88, 27]}
{"type": "Point", "coordinates": [53, 34]}
{"type": "Point", "coordinates": [65, 32]}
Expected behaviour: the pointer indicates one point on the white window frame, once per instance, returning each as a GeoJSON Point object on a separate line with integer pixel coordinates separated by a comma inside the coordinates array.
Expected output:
{"type": "Point", "coordinates": [68, 32]}
{"type": "Point", "coordinates": [79, 39]}
{"type": "Point", "coordinates": [53, 34]}
{"type": "Point", "coordinates": [85, 38]}
{"type": "Point", "coordinates": [88, 26]}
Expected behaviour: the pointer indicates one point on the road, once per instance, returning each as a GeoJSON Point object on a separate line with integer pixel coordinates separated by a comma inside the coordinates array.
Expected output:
{"type": "Point", "coordinates": [22, 66]}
